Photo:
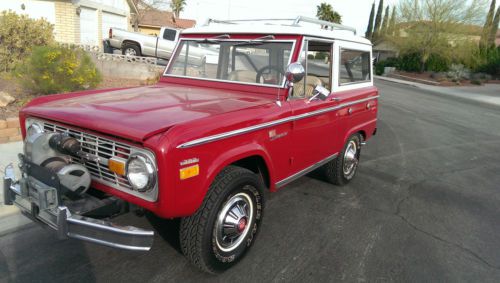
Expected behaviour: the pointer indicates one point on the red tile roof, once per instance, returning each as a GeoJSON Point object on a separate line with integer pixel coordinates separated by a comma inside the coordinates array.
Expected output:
{"type": "Point", "coordinates": [158, 18]}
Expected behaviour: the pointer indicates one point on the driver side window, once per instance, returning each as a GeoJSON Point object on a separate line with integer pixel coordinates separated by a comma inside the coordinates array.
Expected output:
{"type": "Point", "coordinates": [316, 57]}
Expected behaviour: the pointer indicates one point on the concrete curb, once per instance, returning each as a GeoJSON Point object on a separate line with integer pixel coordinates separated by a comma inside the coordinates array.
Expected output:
{"type": "Point", "coordinates": [10, 216]}
{"type": "Point", "coordinates": [478, 99]}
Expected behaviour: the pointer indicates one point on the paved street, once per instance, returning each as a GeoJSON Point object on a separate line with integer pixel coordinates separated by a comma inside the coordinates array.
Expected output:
{"type": "Point", "coordinates": [425, 206]}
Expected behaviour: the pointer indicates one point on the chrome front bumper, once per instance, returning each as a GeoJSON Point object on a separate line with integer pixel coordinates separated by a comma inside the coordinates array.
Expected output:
{"type": "Point", "coordinates": [42, 203]}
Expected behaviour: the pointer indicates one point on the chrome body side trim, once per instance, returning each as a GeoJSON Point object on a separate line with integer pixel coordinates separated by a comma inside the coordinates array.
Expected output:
{"type": "Point", "coordinates": [270, 124]}
{"type": "Point", "coordinates": [302, 172]}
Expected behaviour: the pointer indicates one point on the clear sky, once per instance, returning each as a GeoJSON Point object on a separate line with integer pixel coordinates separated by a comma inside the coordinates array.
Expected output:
{"type": "Point", "coordinates": [354, 13]}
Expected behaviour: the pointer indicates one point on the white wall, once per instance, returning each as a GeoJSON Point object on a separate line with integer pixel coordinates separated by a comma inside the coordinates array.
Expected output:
{"type": "Point", "coordinates": [34, 9]}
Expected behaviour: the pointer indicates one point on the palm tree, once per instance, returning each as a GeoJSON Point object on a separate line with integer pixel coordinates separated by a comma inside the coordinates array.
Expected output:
{"type": "Point", "coordinates": [177, 6]}
{"type": "Point", "coordinates": [325, 12]}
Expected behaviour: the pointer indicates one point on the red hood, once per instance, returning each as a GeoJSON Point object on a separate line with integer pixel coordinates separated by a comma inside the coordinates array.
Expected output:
{"type": "Point", "coordinates": [139, 113]}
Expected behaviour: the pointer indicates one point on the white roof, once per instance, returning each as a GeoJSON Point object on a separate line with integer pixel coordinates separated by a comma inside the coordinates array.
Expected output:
{"type": "Point", "coordinates": [266, 28]}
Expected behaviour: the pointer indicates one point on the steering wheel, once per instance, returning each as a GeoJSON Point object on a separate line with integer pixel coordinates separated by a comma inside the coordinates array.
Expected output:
{"type": "Point", "coordinates": [265, 68]}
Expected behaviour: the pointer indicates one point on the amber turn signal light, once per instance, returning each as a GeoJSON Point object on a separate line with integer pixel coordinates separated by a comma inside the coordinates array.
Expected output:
{"type": "Point", "coordinates": [188, 172]}
{"type": "Point", "coordinates": [117, 165]}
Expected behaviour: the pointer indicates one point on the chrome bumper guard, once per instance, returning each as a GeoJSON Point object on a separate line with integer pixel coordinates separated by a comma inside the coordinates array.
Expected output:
{"type": "Point", "coordinates": [41, 203]}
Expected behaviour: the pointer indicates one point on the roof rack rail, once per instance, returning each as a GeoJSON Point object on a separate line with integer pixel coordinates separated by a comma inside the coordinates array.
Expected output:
{"type": "Point", "coordinates": [294, 22]}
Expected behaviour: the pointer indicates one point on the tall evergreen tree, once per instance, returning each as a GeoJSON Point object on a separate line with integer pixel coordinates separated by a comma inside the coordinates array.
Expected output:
{"type": "Point", "coordinates": [494, 29]}
{"type": "Point", "coordinates": [378, 19]}
{"type": "Point", "coordinates": [488, 25]}
{"type": "Point", "coordinates": [385, 22]}
{"type": "Point", "coordinates": [392, 22]}
{"type": "Point", "coordinates": [369, 29]}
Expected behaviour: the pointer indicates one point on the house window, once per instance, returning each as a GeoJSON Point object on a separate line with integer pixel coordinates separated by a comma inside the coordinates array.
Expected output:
{"type": "Point", "coordinates": [354, 66]}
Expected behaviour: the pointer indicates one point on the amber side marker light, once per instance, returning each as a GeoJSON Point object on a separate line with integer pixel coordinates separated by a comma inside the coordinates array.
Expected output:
{"type": "Point", "coordinates": [188, 172]}
{"type": "Point", "coordinates": [117, 165]}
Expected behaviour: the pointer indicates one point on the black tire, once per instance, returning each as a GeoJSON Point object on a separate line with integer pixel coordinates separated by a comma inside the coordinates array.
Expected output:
{"type": "Point", "coordinates": [133, 48]}
{"type": "Point", "coordinates": [199, 232]}
{"type": "Point", "coordinates": [334, 171]}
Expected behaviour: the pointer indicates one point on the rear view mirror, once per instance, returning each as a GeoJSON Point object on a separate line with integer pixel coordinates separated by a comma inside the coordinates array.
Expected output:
{"type": "Point", "coordinates": [295, 72]}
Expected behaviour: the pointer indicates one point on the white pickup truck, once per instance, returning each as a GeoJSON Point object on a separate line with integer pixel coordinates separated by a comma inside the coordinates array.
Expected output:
{"type": "Point", "coordinates": [137, 44]}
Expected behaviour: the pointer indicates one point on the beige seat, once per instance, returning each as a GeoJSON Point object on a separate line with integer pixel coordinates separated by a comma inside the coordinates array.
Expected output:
{"type": "Point", "coordinates": [242, 76]}
{"type": "Point", "coordinates": [311, 83]}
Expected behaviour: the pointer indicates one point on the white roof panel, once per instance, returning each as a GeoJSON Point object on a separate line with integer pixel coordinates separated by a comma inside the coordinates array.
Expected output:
{"type": "Point", "coordinates": [259, 27]}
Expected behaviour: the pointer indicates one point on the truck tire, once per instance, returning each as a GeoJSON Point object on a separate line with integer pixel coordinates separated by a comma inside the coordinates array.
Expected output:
{"type": "Point", "coordinates": [224, 227]}
{"type": "Point", "coordinates": [342, 169]}
{"type": "Point", "coordinates": [131, 49]}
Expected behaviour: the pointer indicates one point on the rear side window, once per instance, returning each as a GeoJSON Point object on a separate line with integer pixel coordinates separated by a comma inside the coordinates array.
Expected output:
{"type": "Point", "coordinates": [169, 34]}
{"type": "Point", "coordinates": [354, 66]}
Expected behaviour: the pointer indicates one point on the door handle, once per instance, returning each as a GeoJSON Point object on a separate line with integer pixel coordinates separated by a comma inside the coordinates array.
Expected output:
{"type": "Point", "coordinates": [335, 99]}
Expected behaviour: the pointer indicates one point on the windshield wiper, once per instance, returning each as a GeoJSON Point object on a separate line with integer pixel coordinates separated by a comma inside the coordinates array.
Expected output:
{"type": "Point", "coordinates": [215, 39]}
{"type": "Point", "coordinates": [257, 41]}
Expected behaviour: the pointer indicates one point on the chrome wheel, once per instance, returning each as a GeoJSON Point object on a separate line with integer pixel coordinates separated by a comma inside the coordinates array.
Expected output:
{"type": "Point", "coordinates": [233, 222]}
{"type": "Point", "coordinates": [350, 159]}
{"type": "Point", "coordinates": [130, 52]}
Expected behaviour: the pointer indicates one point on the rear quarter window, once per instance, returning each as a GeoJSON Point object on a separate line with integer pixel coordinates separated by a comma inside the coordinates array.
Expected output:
{"type": "Point", "coordinates": [354, 66]}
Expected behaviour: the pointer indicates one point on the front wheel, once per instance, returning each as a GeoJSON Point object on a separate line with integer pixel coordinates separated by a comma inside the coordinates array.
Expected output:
{"type": "Point", "coordinates": [224, 227]}
{"type": "Point", "coordinates": [342, 169]}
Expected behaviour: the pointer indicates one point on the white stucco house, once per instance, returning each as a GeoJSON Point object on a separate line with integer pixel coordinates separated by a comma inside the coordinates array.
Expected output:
{"type": "Point", "coordinates": [77, 21]}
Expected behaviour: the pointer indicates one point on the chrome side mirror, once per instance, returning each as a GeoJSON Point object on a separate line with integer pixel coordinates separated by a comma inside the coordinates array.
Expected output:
{"type": "Point", "coordinates": [295, 72]}
{"type": "Point", "coordinates": [320, 92]}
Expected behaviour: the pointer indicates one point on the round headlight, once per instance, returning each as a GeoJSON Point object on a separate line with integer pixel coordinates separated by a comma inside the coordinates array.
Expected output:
{"type": "Point", "coordinates": [34, 129]}
{"type": "Point", "coordinates": [141, 172]}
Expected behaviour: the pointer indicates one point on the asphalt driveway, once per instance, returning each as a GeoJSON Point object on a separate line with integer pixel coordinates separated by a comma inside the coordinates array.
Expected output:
{"type": "Point", "coordinates": [425, 206]}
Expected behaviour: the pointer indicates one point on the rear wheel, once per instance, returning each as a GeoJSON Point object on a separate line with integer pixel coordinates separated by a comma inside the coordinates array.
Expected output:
{"type": "Point", "coordinates": [342, 169]}
{"type": "Point", "coordinates": [131, 50]}
{"type": "Point", "coordinates": [224, 227]}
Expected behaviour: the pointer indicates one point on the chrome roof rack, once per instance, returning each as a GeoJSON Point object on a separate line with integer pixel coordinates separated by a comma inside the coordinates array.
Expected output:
{"type": "Point", "coordinates": [292, 22]}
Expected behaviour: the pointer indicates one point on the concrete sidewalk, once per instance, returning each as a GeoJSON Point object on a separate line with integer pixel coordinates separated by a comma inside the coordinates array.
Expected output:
{"type": "Point", "coordinates": [10, 216]}
{"type": "Point", "coordinates": [488, 94]}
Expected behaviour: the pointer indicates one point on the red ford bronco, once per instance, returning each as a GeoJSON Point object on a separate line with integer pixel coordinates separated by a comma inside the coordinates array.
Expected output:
{"type": "Point", "coordinates": [269, 102]}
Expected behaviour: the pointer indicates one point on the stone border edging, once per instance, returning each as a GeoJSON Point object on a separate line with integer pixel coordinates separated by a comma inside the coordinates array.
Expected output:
{"type": "Point", "coordinates": [10, 130]}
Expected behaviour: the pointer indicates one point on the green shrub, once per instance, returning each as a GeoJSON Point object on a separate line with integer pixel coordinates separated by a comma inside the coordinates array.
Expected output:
{"type": "Point", "coordinates": [491, 65]}
{"type": "Point", "coordinates": [321, 55]}
{"type": "Point", "coordinates": [379, 68]}
{"type": "Point", "coordinates": [410, 62]}
{"type": "Point", "coordinates": [55, 69]}
{"type": "Point", "coordinates": [18, 35]}
{"type": "Point", "coordinates": [389, 62]}
{"type": "Point", "coordinates": [310, 56]}
{"type": "Point", "coordinates": [437, 63]}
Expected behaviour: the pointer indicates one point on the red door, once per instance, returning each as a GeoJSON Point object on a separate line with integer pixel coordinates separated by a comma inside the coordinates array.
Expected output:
{"type": "Point", "coordinates": [315, 132]}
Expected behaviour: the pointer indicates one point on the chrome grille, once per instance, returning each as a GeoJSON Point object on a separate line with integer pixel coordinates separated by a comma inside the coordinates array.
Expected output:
{"type": "Point", "coordinates": [101, 147]}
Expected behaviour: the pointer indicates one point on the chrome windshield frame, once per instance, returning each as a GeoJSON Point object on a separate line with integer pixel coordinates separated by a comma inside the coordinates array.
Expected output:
{"type": "Point", "coordinates": [176, 50]}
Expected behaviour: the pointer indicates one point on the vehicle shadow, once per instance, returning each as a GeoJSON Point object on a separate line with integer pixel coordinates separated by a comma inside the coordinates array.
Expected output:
{"type": "Point", "coordinates": [34, 254]}
{"type": "Point", "coordinates": [167, 229]}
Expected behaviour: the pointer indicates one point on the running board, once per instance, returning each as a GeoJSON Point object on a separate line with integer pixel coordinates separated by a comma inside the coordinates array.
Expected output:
{"type": "Point", "coordinates": [303, 172]}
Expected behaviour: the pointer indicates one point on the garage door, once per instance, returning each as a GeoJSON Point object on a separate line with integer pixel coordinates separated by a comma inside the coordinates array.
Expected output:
{"type": "Point", "coordinates": [112, 21]}
{"type": "Point", "coordinates": [88, 26]}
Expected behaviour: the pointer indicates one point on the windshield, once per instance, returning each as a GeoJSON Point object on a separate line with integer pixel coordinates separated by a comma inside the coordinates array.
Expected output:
{"type": "Point", "coordinates": [255, 62]}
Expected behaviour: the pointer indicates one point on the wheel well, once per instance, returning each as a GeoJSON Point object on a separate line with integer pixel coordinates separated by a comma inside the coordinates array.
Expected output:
{"type": "Point", "coordinates": [129, 42]}
{"type": "Point", "coordinates": [363, 135]}
{"type": "Point", "coordinates": [257, 165]}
